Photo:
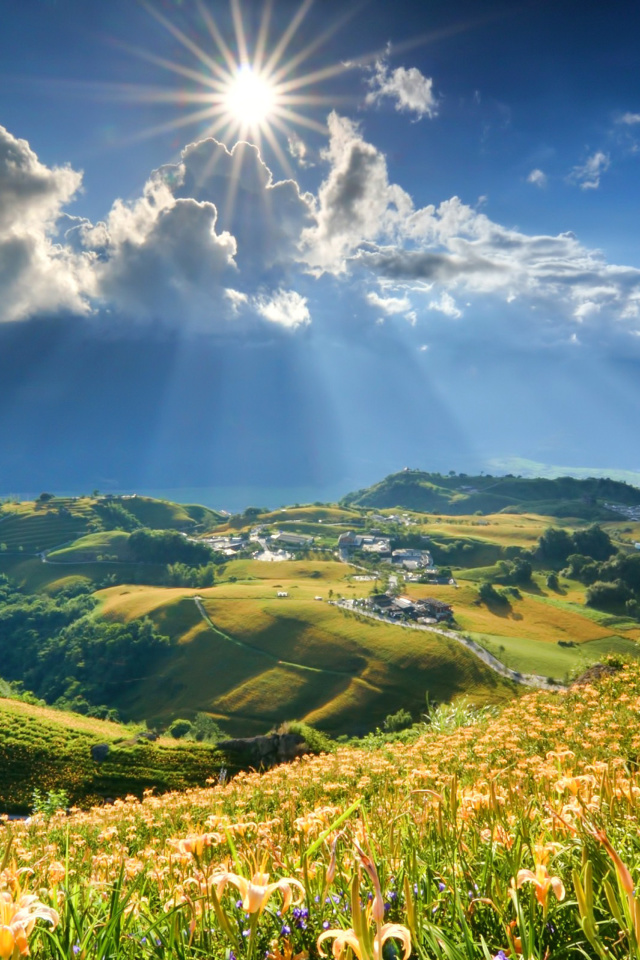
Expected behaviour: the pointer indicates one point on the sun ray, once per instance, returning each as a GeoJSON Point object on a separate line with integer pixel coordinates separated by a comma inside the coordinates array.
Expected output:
{"type": "Point", "coordinates": [184, 40]}
{"type": "Point", "coordinates": [217, 37]}
{"type": "Point", "coordinates": [176, 124]}
{"type": "Point", "coordinates": [263, 34]}
{"type": "Point", "coordinates": [279, 152]}
{"type": "Point", "coordinates": [287, 36]}
{"type": "Point", "coordinates": [322, 38]}
{"type": "Point", "coordinates": [173, 67]}
{"type": "Point", "coordinates": [322, 74]}
{"type": "Point", "coordinates": [319, 100]}
{"type": "Point", "coordinates": [298, 118]}
{"type": "Point", "coordinates": [241, 39]}
{"type": "Point", "coordinates": [236, 164]}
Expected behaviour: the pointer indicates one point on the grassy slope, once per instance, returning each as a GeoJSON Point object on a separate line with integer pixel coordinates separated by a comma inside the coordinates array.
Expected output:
{"type": "Point", "coordinates": [51, 750]}
{"type": "Point", "coordinates": [113, 543]}
{"type": "Point", "coordinates": [565, 496]}
{"type": "Point", "coordinates": [165, 515]}
{"type": "Point", "coordinates": [270, 659]}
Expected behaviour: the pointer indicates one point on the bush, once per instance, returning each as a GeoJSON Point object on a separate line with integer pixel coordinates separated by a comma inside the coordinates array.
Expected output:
{"type": "Point", "coordinates": [397, 721]}
{"type": "Point", "coordinates": [606, 595]}
{"type": "Point", "coordinates": [180, 728]}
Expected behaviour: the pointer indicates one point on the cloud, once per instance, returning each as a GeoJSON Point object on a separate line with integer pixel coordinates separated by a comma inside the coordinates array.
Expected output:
{"type": "Point", "coordinates": [213, 240]}
{"type": "Point", "coordinates": [410, 89]}
{"type": "Point", "coordinates": [447, 305]}
{"type": "Point", "coordinates": [537, 178]}
{"type": "Point", "coordinates": [587, 176]}
{"type": "Point", "coordinates": [285, 307]}
{"type": "Point", "coordinates": [630, 119]}
{"type": "Point", "coordinates": [205, 235]}
{"type": "Point", "coordinates": [389, 305]}
{"type": "Point", "coordinates": [356, 202]}
{"type": "Point", "coordinates": [299, 151]}
{"type": "Point", "coordinates": [36, 273]}
{"type": "Point", "coordinates": [162, 258]}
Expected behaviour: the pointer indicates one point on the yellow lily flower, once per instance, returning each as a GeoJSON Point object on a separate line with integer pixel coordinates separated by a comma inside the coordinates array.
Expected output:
{"type": "Point", "coordinates": [17, 920]}
{"type": "Point", "coordinates": [256, 892]}
{"type": "Point", "coordinates": [347, 938]}
{"type": "Point", "coordinates": [542, 882]}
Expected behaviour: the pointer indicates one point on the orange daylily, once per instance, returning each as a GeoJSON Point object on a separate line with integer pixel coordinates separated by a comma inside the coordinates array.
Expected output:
{"type": "Point", "coordinates": [542, 882]}
{"type": "Point", "coordinates": [17, 920]}
{"type": "Point", "coordinates": [256, 892]}
{"type": "Point", "coordinates": [348, 938]}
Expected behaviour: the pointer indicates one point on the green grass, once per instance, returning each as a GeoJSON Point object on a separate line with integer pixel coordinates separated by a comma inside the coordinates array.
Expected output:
{"type": "Point", "coordinates": [112, 545]}
{"type": "Point", "coordinates": [260, 660]}
{"type": "Point", "coordinates": [551, 659]}
{"type": "Point", "coordinates": [51, 750]}
{"type": "Point", "coordinates": [165, 515]}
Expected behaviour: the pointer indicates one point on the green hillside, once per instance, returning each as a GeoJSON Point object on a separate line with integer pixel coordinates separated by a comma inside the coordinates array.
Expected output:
{"type": "Point", "coordinates": [253, 660]}
{"type": "Point", "coordinates": [461, 494]}
{"type": "Point", "coordinates": [48, 750]}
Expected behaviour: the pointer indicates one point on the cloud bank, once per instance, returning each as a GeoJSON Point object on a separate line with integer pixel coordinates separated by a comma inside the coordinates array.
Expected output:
{"type": "Point", "coordinates": [217, 242]}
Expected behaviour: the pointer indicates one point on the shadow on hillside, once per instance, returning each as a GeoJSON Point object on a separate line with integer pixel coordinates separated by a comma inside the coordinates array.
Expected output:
{"type": "Point", "coordinates": [503, 609]}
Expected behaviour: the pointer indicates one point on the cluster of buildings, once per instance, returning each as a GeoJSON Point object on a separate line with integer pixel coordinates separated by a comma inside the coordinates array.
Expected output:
{"type": "Point", "coordinates": [428, 610]}
{"type": "Point", "coordinates": [631, 513]}
{"type": "Point", "coordinates": [229, 546]}
{"type": "Point", "coordinates": [379, 546]}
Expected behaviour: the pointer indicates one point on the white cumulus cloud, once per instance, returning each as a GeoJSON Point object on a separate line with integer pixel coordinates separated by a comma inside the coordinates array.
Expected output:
{"type": "Point", "coordinates": [411, 91]}
{"type": "Point", "coordinates": [538, 178]}
{"type": "Point", "coordinates": [356, 202]}
{"type": "Point", "coordinates": [285, 307]}
{"type": "Point", "coordinates": [36, 273]}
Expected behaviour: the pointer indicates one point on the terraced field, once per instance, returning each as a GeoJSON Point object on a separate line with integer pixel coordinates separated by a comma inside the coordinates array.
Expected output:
{"type": "Point", "coordinates": [47, 749]}
{"type": "Point", "coordinates": [33, 532]}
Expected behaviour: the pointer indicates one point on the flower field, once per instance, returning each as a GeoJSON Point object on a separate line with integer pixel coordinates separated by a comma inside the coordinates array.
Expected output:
{"type": "Point", "coordinates": [515, 835]}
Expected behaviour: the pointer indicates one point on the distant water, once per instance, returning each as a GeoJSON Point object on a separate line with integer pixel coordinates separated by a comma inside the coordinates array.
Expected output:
{"type": "Point", "coordinates": [237, 499]}
{"type": "Point", "coordinates": [234, 499]}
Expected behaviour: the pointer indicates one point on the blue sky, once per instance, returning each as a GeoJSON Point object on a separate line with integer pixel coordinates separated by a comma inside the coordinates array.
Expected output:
{"type": "Point", "coordinates": [422, 252]}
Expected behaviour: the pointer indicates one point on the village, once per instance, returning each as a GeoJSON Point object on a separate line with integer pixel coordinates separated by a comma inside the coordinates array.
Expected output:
{"type": "Point", "coordinates": [413, 564]}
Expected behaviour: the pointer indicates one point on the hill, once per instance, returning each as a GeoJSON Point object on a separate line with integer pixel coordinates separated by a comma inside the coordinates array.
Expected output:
{"type": "Point", "coordinates": [253, 659]}
{"type": "Point", "coordinates": [461, 494]}
{"type": "Point", "coordinates": [51, 750]}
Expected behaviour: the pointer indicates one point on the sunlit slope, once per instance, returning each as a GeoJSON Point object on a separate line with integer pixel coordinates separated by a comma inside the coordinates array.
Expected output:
{"type": "Point", "coordinates": [461, 494]}
{"type": "Point", "coordinates": [46, 749]}
{"type": "Point", "coordinates": [254, 659]}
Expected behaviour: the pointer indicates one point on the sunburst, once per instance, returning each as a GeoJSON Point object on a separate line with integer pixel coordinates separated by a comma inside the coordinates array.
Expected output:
{"type": "Point", "coordinates": [242, 88]}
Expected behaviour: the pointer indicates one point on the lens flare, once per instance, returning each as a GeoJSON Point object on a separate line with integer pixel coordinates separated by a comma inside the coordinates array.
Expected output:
{"type": "Point", "coordinates": [250, 98]}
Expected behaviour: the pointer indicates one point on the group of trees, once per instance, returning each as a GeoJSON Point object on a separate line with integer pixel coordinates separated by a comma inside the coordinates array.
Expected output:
{"type": "Point", "coordinates": [63, 654]}
{"type": "Point", "coordinates": [557, 545]}
{"type": "Point", "coordinates": [168, 546]}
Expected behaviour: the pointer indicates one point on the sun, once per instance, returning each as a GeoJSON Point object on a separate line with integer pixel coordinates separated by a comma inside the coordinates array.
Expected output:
{"type": "Point", "coordinates": [242, 87]}
{"type": "Point", "coordinates": [250, 98]}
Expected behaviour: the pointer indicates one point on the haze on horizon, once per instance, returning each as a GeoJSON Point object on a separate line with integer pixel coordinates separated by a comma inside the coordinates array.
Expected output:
{"type": "Point", "coordinates": [297, 246]}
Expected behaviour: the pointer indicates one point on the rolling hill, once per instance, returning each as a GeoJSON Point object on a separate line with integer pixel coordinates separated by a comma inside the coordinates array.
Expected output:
{"type": "Point", "coordinates": [461, 494]}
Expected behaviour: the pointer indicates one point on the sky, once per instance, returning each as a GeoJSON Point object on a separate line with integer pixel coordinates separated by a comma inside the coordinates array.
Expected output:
{"type": "Point", "coordinates": [275, 251]}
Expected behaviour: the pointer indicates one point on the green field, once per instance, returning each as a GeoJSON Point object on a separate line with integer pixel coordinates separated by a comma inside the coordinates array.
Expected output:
{"type": "Point", "coordinates": [49, 750]}
{"type": "Point", "coordinates": [256, 660]}
{"type": "Point", "coordinates": [253, 660]}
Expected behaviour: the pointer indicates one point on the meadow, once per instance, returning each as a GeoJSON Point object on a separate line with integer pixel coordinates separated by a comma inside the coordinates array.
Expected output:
{"type": "Point", "coordinates": [253, 659]}
{"type": "Point", "coordinates": [483, 835]}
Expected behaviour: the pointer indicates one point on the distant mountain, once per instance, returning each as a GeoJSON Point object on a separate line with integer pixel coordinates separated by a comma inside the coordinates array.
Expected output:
{"type": "Point", "coordinates": [463, 494]}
